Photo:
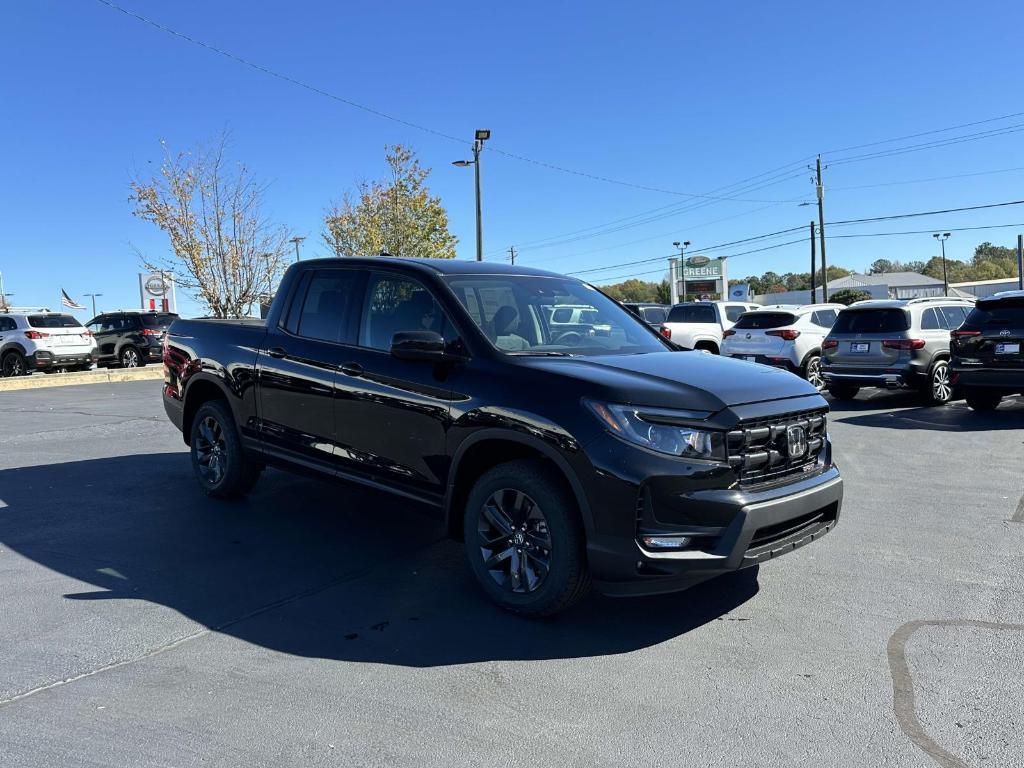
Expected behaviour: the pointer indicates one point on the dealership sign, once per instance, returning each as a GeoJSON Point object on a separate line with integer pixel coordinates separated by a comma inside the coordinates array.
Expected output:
{"type": "Point", "coordinates": [702, 268]}
{"type": "Point", "coordinates": [156, 291]}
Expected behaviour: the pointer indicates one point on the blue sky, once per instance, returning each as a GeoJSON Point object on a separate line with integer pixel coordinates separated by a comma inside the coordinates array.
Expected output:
{"type": "Point", "coordinates": [684, 97]}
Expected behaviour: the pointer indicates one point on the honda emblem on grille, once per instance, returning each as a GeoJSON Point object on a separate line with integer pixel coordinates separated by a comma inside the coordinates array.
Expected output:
{"type": "Point", "coordinates": [796, 441]}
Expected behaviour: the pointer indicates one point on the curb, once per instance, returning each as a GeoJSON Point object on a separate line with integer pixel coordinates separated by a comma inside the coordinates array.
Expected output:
{"type": "Point", "coordinates": [101, 376]}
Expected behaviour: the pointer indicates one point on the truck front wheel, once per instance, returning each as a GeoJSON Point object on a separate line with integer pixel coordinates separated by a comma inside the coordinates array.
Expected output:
{"type": "Point", "coordinates": [218, 460]}
{"type": "Point", "coordinates": [525, 541]}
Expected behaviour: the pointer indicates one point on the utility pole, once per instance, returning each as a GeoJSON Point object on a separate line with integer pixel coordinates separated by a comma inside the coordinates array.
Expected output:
{"type": "Point", "coordinates": [814, 269]}
{"type": "Point", "coordinates": [821, 229]}
{"type": "Point", "coordinates": [297, 240]}
{"type": "Point", "coordinates": [512, 255]}
{"type": "Point", "coordinates": [1020, 262]}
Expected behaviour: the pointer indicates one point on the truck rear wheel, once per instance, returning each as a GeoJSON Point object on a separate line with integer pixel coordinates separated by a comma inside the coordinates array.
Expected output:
{"type": "Point", "coordinates": [218, 459]}
{"type": "Point", "coordinates": [525, 541]}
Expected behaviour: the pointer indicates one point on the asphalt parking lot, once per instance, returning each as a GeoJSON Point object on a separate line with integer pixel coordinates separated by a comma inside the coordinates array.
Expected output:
{"type": "Point", "coordinates": [314, 624]}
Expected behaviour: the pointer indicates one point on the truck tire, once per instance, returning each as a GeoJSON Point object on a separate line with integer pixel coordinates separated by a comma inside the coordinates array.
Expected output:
{"type": "Point", "coordinates": [525, 541]}
{"type": "Point", "coordinates": [982, 399]}
{"type": "Point", "coordinates": [218, 459]}
{"type": "Point", "coordinates": [843, 391]}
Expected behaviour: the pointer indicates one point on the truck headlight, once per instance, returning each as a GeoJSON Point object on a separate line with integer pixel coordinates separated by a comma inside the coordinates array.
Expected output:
{"type": "Point", "coordinates": [661, 430]}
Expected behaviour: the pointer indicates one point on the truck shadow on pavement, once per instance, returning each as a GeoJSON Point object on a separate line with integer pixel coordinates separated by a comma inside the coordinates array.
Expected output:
{"type": "Point", "coordinates": [304, 567]}
{"type": "Point", "coordinates": [904, 411]}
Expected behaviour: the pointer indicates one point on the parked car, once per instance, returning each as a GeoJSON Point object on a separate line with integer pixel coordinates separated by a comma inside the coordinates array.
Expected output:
{"type": "Point", "coordinates": [130, 338]}
{"type": "Point", "coordinates": [988, 351]}
{"type": "Point", "coordinates": [700, 324]}
{"type": "Point", "coordinates": [786, 337]}
{"type": "Point", "coordinates": [608, 458]}
{"type": "Point", "coordinates": [893, 344]}
{"type": "Point", "coordinates": [43, 341]}
{"type": "Point", "coordinates": [652, 314]}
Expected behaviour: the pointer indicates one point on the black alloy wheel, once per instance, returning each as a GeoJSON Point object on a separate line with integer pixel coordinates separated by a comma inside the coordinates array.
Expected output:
{"type": "Point", "coordinates": [14, 364]}
{"type": "Point", "coordinates": [211, 451]}
{"type": "Point", "coordinates": [514, 541]}
{"type": "Point", "coordinates": [220, 463]}
{"type": "Point", "coordinates": [130, 358]}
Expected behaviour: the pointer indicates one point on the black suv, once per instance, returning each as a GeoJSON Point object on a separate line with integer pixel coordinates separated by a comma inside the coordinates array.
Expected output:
{"type": "Point", "coordinates": [652, 314]}
{"type": "Point", "coordinates": [560, 456]}
{"type": "Point", "coordinates": [130, 338]}
{"type": "Point", "coordinates": [988, 351]}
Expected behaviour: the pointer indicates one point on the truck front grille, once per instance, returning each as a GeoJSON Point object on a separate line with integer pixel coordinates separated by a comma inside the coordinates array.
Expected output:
{"type": "Point", "coordinates": [759, 450]}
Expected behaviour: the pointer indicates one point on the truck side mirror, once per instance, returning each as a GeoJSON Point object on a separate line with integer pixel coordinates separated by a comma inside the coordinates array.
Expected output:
{"type": "Point", "coordinates": [418, 345]}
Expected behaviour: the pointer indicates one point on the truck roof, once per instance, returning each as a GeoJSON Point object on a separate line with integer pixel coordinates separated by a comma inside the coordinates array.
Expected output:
{"type": "Point", "coordinates": [437, 266]}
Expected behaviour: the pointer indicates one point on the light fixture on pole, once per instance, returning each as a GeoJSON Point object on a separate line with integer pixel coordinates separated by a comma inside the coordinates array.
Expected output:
{"type": "Point", "coordinates": [482, 135]}
{"type": "Point", "coordinates": [942, 238]}
{"type": "Point", "coordinates": [296, 240]}
{"type": "Point", "coordinates": [682, 263]}
{"type": "Point", "coordinates": [93, 297]}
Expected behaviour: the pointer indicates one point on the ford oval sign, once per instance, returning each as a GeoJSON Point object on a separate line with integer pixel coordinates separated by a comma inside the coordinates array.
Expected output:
{"type": "Point", "coordinates": [697, 261]}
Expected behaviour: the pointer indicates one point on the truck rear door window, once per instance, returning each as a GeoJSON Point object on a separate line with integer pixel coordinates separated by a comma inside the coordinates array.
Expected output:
{"type": "Point", "coordinates": [887, 320]}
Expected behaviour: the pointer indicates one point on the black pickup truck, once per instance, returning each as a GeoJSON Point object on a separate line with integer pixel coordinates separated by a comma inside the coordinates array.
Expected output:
{"type": "Point", "coordinates": [562, 458]}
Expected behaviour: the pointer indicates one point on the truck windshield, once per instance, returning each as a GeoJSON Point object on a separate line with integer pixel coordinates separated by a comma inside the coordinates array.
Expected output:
{"type": "Point", "coordinates": [523, 314]}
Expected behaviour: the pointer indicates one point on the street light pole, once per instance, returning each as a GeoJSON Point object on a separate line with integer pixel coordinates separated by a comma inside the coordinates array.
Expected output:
{"type": "Point", "coordinates": [296, 240]}
{"type": "Point", "coordinates": [482, 135]}
{"type": "Point", "coordinates": [682, 263]}
{"type": "Point", "coordinates": [93, 297]}
{"type": "Point", "coordinates": [942, 238]}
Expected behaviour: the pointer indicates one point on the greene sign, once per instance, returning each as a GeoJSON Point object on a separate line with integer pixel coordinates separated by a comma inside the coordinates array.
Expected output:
{"type": "Point", "coordinates": [702, 268]}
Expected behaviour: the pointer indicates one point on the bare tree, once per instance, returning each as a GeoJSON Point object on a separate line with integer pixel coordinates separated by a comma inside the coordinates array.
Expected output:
{"type": "Point", "coordinates": [224, 249]}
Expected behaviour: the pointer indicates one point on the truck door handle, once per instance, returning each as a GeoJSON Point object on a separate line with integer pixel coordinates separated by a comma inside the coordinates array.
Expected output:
{"type": "Point", "coordinates": [277, 352]}
{"type": "Point", "coordinates": [352, 369]}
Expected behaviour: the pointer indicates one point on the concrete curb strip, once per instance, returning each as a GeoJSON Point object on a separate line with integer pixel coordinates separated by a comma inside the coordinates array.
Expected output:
{"type": "Point", "coordinates": [100, 376]}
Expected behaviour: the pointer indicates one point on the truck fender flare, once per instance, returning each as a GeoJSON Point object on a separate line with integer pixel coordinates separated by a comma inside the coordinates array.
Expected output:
{"type": "Point", "coordinates": [528, 441]}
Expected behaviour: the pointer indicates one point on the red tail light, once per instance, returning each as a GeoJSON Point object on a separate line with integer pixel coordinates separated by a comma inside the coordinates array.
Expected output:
{"type": "Point", "coordinates": [150, 332]}
{"type": "Point", "coordinates": [666, 332]}
{"type": "Point", "coordinates": [903, 343]}
{"type": "Point", "coordinates": [87, 333]}
{"type": "Point", "coordinates": [35, 335]}
{"type": "Point", "coordinates": [788, 334]}
{"type": "Point", "coordinates": [962, 334]}
{"type": "Point", "coordinates": [727, 334]}
{"type": "Point", "coordinates": [830, 344]}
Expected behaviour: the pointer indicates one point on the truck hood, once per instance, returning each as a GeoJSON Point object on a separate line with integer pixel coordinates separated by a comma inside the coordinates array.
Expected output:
{"type": "Point", "coordinates": [690, 380]}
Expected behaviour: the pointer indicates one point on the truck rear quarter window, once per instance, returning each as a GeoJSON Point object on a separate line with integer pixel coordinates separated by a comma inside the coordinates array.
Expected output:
{"type": "Point", "coordinates": [327, 304]}
{"type": "Point", "coordinates": [881, 320]}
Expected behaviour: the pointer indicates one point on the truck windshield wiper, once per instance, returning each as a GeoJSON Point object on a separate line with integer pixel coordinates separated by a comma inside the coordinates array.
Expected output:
{"type": "Point", "coordinates": [544, 352]}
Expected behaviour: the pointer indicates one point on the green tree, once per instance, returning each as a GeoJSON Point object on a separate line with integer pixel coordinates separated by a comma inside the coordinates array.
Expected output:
{"type": "Point", "coordinates": [664, 292]}
{"type": "Point", "coordinates": [848, 295]}
{"type": "Point", "coordinates": [880, 266]}
{"type": "Point", "coordinates": [396, 215]}
{"type": "Point", "coordinates": [635, 290]}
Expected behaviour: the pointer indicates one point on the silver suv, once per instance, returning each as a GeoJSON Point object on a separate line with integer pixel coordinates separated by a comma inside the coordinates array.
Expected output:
{"type": "Point", "coordinates": [893, 344]}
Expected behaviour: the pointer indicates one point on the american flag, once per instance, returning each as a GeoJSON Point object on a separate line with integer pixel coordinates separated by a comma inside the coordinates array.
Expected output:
{"type": "Point", "coordinates": [67, 301]}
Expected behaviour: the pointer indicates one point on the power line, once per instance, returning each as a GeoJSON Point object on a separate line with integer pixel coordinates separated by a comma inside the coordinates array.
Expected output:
{"type": "Point", "coordinates": [928, 231]}
{"type": "Point", "coordinates": [924, 133]}
{"type": "Point", "coordinates": [921, 181]}
{"type": "Point", "coordinates": [925, 213]}
{"type": "Point", "coordinates": [930, 145]}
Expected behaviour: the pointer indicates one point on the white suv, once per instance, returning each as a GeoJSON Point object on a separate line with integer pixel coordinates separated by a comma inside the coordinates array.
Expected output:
{"type": "Point", "coordinates": [787, 337]}
{"type": "Point", "coordinates": [701, 324]}
{"type": "Point", "coordinates": [43, 341]}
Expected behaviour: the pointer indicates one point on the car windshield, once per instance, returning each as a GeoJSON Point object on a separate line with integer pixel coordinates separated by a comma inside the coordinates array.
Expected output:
{"type": "Point", "coordinates": [871, 321]}
{"type": "Point", "coordinates": [1008, 313]}
{"type": "Point", "coordinates": [765, 320]}
{"type": "Point", "coordinates": [53, 321]}
{"type": "Point", "coordinates": [523, 314]}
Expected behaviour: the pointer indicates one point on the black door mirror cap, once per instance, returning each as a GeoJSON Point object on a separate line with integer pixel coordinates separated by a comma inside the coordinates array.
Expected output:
{"type": "Point", "coordinates": [420, 345]}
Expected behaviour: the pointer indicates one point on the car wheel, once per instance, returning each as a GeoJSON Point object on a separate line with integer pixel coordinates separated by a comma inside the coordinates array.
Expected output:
{"type": "Point", "coordinates": [843, 391]}
{"type": "Point", "coordinates": [218, 460]}
{"type": "Point", "coordinates": [812, 372]}
{"type": "Point", "coordinates": [525, 541]}
{"type": "Point", "coordinates": [130, 358]}
{"type": "Point", "coordinates": [14, 364]}
{"type": "Point", "coordinates": [939, 389]}
{"type": "Point", "coordinates": [982, 400]}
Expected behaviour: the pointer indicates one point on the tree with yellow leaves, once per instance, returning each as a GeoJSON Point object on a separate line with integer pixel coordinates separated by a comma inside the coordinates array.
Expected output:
{"type": "Point", "coordinates": [396, 215]}
{"type": "Point", "coordinates": [224, 249]}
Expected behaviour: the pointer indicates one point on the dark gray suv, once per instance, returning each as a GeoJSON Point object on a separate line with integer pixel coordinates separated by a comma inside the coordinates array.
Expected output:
{"type": "Point", "coordinates": [894, 345]}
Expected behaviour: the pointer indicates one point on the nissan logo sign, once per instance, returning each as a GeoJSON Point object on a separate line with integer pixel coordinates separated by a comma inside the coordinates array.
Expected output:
{"type": "Point", "coordinates": [697, 261]}
{"type": "Point", "coordinates": [156, 285]}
